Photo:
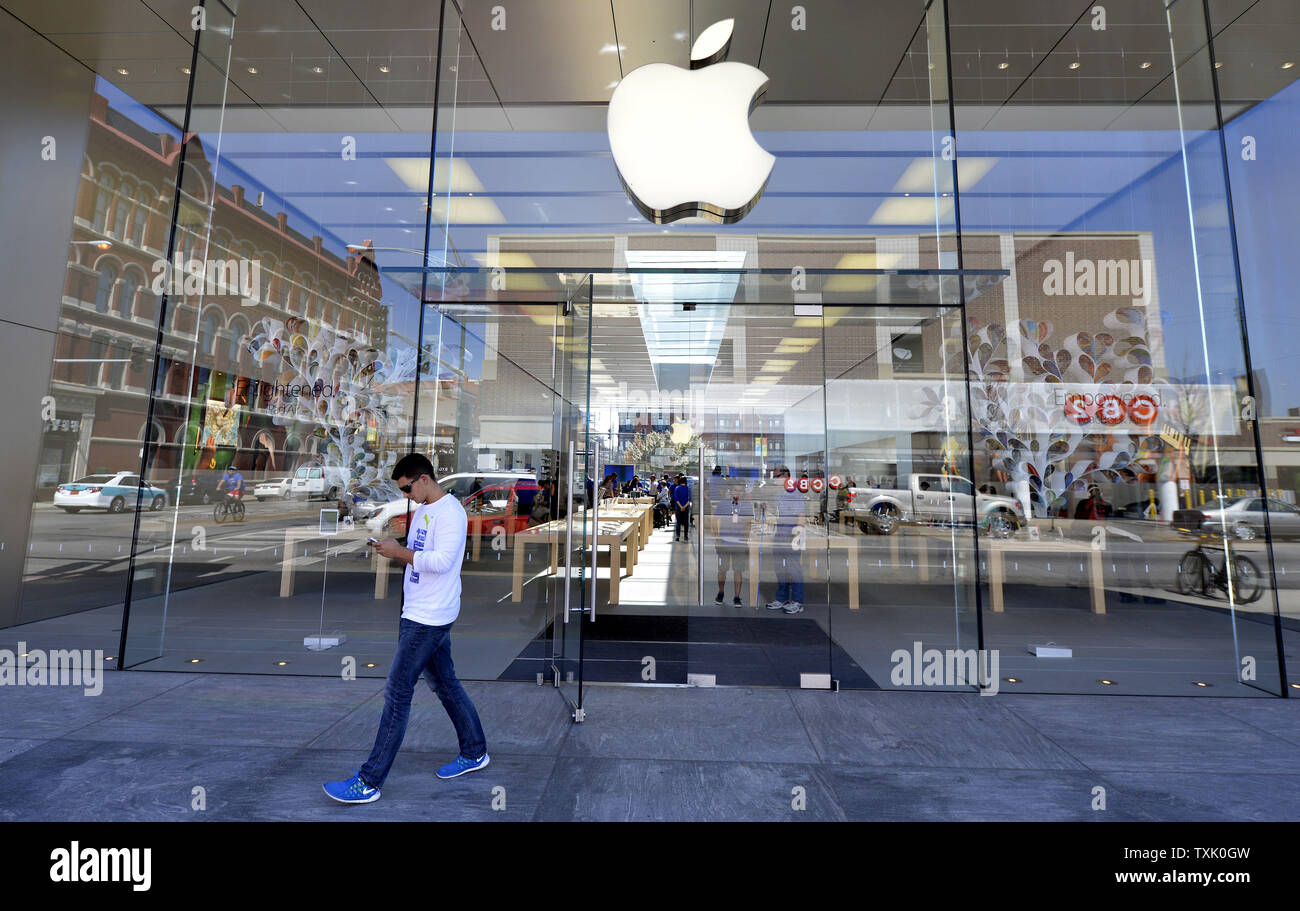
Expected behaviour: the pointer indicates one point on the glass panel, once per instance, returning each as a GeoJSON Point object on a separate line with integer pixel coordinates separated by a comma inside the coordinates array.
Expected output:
{"type": "Point", "coordinates": [899, 466]}
{"type": "Point", "coordinates": [287, 353]}
{"type": "Point", "coordinates": [1108, 369]}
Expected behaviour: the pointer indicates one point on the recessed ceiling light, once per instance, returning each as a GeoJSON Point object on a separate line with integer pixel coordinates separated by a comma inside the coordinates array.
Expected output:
{"type": "Point", "coordinates": [1218, 64]}
{"type": "Point", "coordinates": [1011, 679]}
{"type": "Point", "coordinates": [185, 70]}
{"type": "Point", "coordinates": [452, 67]}
{"type": "Point", "coordinates": [252, 71]}
{"type": "Point", "coordinates": [383, 69]}
{"type": "Point", "coordinates": [1201, 683]}
{"type": "Point", "coordinates": [1074, 65]}
{"type": "Point", "coordinates": [371, 664]}
{"type": "Point", "coordinates": [318, 69]}
{"type": "Point", "coordinates": [281, 663]}
{"type": "Point", "coordinates": [1144, 65]}
{"type": "Point", "coordinates": [1107, 682]}
{"type": "Point", "coordinates": [1004, 65]}
{"type": "Point", "coordinates": [1295, 686]}
{"type": "Point", "coordinates": [123, 71]}
{"type": "Point", "coordinates": [1287, 65]}
{"type": "Point", "coordinates": [195, 660]}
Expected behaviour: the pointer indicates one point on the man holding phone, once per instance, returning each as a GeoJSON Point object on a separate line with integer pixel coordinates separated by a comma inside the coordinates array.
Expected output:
{"type": "Point", "coordinates": [430, 605]}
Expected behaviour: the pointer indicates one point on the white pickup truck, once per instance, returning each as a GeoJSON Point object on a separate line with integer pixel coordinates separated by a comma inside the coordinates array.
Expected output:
{"type": "Point", "coordinates": [933, 499]}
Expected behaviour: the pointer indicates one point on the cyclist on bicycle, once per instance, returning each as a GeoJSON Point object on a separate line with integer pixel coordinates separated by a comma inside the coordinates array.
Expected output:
{"type": "Point", "coordinates": [233, 482]}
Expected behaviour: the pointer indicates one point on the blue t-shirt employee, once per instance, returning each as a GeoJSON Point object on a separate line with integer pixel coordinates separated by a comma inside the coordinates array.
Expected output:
{"type": "Point", "coordinates": [682, 507]}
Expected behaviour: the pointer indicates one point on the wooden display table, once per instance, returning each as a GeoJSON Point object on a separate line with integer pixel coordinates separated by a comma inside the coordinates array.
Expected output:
{"type": "Point", "coordinates": [642, 514]}
{"type": "Point", "coordinates": [997, 571]}
{"type": "Point", "coordinates": [292, 536]}
{"type": "Point", "coordinates": [620, 536]}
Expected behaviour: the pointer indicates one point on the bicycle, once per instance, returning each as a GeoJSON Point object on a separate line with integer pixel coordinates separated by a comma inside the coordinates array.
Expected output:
{"type": "Point", "coordinates": [229, 507]}
{"type": "Point", "coordinates": [1199, 574]}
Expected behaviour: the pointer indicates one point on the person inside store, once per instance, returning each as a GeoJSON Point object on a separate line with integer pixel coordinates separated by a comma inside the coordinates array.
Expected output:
{"type": "Point", "coordinates": [786, 549]}
{"type": "Point", "coordinates": [663, 504]}
{"type": "Point", "coordinates": [736, 517]}
{"type": "Point", "coordinates": [431, 591]}
{"type": "Point", "coordinates": [541, 510]}
{"type": "Point", "coordinates": [682, 509]}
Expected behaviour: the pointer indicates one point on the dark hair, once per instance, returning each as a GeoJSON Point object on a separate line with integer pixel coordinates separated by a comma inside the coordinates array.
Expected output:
{"type": "Point", "coordinates": [412, 465]}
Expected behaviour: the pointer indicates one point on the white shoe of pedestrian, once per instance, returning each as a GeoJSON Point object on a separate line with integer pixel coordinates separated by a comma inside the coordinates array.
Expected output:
{"type": "Point", "coordinates": [775, 605]}
{"type": "Point", "coordinates": [793, 607]}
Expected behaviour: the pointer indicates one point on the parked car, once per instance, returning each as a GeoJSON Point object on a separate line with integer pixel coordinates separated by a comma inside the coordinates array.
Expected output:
{"type": "Point", "coordinates": [318, 481]}
{"type": "Point", "coordinates": [1243, 517]}
{"type": "Point", "coordinates": [277, 488]}
{"type": "Point", "coordinates": [199, 488]}
{"type": "Point", "coordinates": [109, 492]}
{"type": "Point", "coordinates": [933, 499]}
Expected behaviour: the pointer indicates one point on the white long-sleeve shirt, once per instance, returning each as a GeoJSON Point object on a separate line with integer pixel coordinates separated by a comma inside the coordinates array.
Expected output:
{"type": "Point", "coordinates": [432, 584]}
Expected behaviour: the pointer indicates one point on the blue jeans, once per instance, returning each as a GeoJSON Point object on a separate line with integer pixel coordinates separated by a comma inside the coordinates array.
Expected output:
{"type": "Point", "coordinates": [789, 571]}
{"type": "Point", "coordinates": [421, 649]}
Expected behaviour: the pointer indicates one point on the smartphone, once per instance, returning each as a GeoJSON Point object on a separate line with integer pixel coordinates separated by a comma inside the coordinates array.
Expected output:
{"type": "Point", "coordinates": [370, 540]}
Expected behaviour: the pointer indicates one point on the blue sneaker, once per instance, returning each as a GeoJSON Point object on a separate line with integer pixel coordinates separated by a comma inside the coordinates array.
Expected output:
{"type": "Point", "coordinates": [460, 765]}
{"type": "Point", "coordinates": [354, 790]}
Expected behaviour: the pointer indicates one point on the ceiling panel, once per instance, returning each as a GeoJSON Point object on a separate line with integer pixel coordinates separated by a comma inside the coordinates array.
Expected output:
{"type": "Point", "coordinates": [841, 55]}
{"type": "Point", "coordinates": [547, 52]}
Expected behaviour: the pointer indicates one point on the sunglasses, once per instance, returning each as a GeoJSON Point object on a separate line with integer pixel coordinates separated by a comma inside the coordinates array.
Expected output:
{"type": "Point", "coordinates": [406, 488]}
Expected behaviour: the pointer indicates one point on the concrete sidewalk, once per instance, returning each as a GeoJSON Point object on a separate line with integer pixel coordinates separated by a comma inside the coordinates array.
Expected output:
{"type": "Point", "coordinates": [260, 747]}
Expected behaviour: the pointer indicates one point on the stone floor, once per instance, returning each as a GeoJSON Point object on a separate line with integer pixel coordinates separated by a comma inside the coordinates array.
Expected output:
{"type": "Point", "coordinates": [259, 747]}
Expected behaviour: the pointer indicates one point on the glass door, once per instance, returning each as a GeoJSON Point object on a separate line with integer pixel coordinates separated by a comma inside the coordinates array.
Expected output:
{"type": "Point", "coordinates": [575, 463]}
{"type": "Point", "coordinates": [784, 494]}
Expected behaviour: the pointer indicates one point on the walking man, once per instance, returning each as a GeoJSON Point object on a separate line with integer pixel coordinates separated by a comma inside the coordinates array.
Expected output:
{"type": "Point", "coordinates": [430, 605]}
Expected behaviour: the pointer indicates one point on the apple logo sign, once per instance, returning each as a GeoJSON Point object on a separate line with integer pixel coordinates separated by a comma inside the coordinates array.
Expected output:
{"type": "Point", "coordinates": [682, 433]}
{"type": "Point", "coordinates": [681, 139]}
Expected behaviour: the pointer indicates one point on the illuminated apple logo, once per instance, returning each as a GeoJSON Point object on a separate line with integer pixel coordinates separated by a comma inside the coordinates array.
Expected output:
{"type": "Point", "coordinates": [682, 433]}
{"type": "Point", "coordinates": [681, 139]}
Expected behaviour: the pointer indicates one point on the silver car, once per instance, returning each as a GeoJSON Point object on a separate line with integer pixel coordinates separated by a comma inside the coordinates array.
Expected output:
{"type": "Point", "coordinates": [1244, 518]}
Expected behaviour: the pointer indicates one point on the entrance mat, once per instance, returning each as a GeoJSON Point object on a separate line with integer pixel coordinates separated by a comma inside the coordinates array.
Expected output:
{"type": "Point", "coordinates": [738, 651]}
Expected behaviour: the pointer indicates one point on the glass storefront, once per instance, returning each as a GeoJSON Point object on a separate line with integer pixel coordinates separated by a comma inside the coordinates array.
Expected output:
{"type": "Point", "coordinates": [988, 390]}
